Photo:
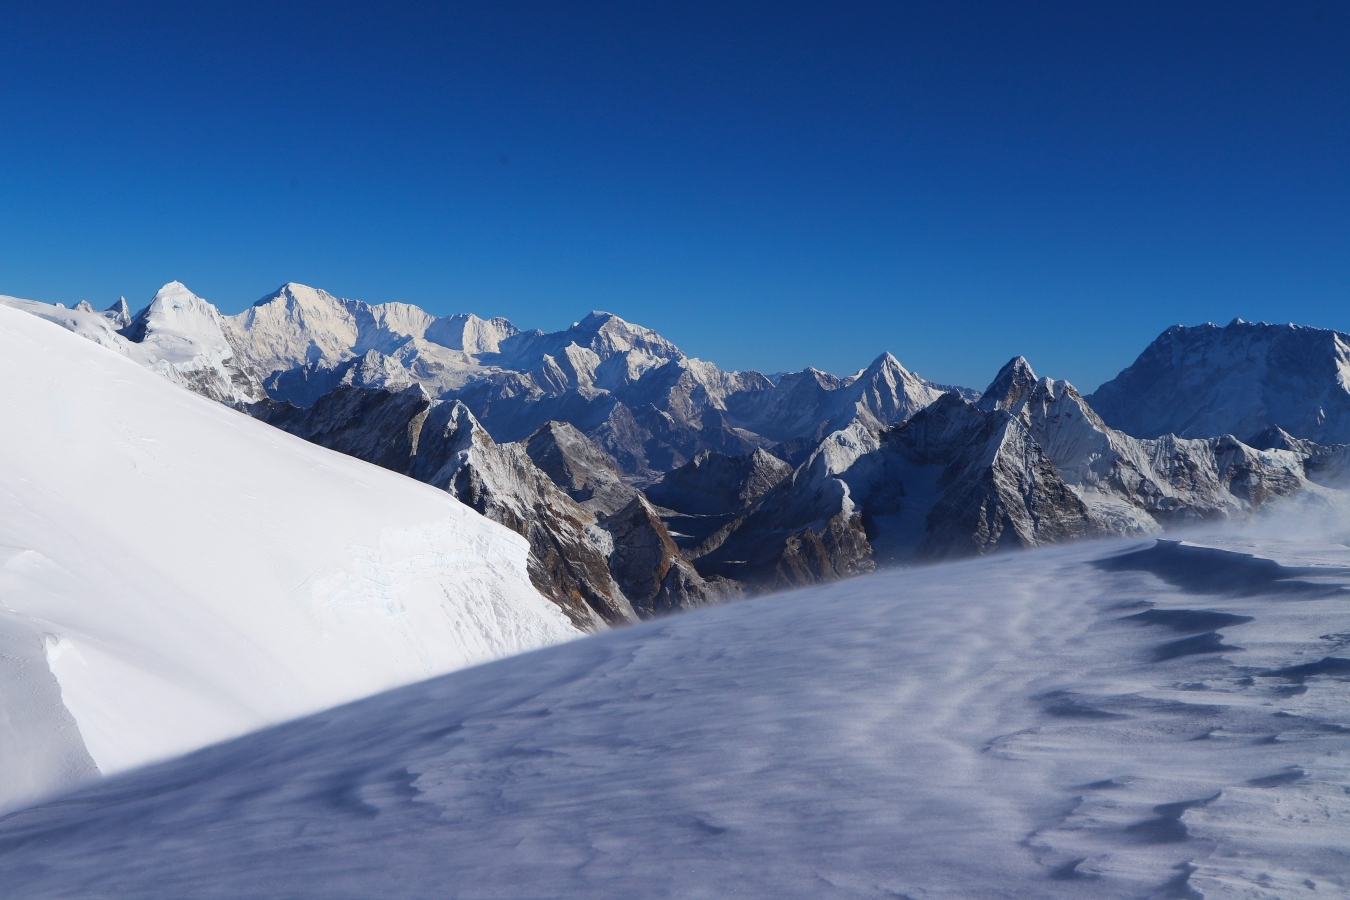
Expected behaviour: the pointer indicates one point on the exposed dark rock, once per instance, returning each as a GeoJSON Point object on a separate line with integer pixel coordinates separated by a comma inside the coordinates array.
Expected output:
{"type": "Point", "coordinates": [443, 445]}
{"type": "Point", "coordinates": [649, 567]}
{"type": "Point", "coordinates": [567, 561]}
{"type": "Point", "coordinates": [1013, 382]}
{"type": "Point", "coordinates": [368, 423]}
{"type": "Point", "coordinates": [838, 550]}
{"type": "Point", "coordinates": [713, 483]}
{"type": "Point", "coordinates": [588, 474]}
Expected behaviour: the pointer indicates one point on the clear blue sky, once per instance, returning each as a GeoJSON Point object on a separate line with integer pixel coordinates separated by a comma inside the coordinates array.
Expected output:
{"type": "Point", "coordinates": [768, 185]}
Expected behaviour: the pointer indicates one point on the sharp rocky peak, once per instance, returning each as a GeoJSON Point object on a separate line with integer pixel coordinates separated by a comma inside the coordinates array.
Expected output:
{"type": "Point", "coordinates": [1013, 382]}
{"type": "Point", "coordinates": [886, 361]}
{"type": "Point", "coordinates": [119, 313]}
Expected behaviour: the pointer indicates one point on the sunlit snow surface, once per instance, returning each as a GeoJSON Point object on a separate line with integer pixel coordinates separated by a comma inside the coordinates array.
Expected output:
{"type": "Point", "coordinates": [1126, 719]}
{"type": "Point", "coordinates": [174, 573]}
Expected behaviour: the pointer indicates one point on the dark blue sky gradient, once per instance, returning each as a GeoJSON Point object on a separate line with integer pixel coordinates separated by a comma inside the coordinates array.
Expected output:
{"type": "Point", "coordinates": [769, 186]}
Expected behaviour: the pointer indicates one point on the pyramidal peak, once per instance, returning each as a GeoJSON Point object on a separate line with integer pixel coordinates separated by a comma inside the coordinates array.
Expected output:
{"type": "Point", "coordinates": [176, 294]}
{"type": "Point", "coordinates": [887, 360]}
{"type": "Point", "coordinates": [1013, 382]}
{"type": "Point", "coordinates": [293, 292]}
{"type": "Point", "coordinates": [176, 310]}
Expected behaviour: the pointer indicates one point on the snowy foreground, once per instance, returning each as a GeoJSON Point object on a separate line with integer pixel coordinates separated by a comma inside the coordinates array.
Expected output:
{"type": "Point", "coordinates": [174, 573]}
{"type": "Point", "coordinates": [1129, 719]}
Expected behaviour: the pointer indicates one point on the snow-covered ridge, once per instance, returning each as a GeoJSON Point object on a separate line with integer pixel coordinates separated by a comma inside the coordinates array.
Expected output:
{"type": "Point", "coordinates": [297, 326]}
{"type": "Point", "coordinates": [635, 394]}
{"type": "Point", "coordinates": [1240, 379]}
{"type": "Point", "coordinates": [178, 335]}
{"type": "Point", "coordinates": [173, 572]}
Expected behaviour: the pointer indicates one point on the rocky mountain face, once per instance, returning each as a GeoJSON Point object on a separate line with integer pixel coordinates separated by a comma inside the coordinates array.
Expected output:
{"type": "Point", "coordinates": [569, 552]}
{"type": "Point", "coordinates": [1143, 485]}
{"type": "Point", "coordinates": [713, 484]}
{"type": "Point", "coordinates": [607, 570]}
{"type": "Point", "coordinates": [1030, 463]}
{"type": "Point", "coordinates": [650, 568]}
{"type": "Point", "coordinates": [1241, 379]}
{"type": "Point", "coordinates": [588, 474]}
{"type": "Point", "coordinates": [441, 443]}
{"type": "Point", "coordinates": [647, 481]}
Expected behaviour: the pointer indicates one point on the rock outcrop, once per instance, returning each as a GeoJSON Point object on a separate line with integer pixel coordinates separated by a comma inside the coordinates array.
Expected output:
{"type": "Point", "coordinates": [569, 555]}
{"type": "Point", "coordinates": [714, 484]}
{"type": "Point", "coordinates": [650, 569]}
{"type": "Point", "coordinates": [1028, 464]}
{"type": "Point", "coordinates": [443, 445]}
{"type": "Point", "coordinates": [588, 474]}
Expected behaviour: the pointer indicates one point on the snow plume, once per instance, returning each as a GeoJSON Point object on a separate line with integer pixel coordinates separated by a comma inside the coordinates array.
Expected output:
{"type": "Point", "coordinates": [1311, 516]}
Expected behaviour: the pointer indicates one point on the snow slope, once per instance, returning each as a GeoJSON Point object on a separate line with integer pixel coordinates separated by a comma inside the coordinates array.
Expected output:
{"type": "Point", "coordinates": [178, 335]}
{"type": "Point", "coordinates": [1128, 719]}
{"type": "Point", "coordinates": [173, 573]}
{"type": "Point", "coordinates": [1207, 381]}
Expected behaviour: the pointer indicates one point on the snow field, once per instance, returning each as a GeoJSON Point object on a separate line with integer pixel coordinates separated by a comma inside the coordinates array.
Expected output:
{"type": "Point", "coordinates": [1055, 723]}
{"type": "Point", "coordinates": [188, 574]}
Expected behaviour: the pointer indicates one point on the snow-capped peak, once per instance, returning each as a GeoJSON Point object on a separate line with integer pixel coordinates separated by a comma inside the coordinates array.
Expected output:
{"type": "Point", "coordinates": [119, 314]}
{"type": "Point", "coordinates": [1012, 383]}
{"type": "Point", "coordinates": [467, 332]}
{"type": "Point", "coordinates": [175, 320]}
{"type": "Point", "coordinates": [609, 334]}
{"type": "Point", "coordinates": [883, 363]}
{"type": "Point", "coordinates": [187, 334]}
{"type": "Point", "coordinates": [1206, 381]}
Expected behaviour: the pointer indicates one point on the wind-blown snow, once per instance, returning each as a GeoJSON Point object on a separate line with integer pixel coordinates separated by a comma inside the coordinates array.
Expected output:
{"type": "Point", "coordinates": [1130, 719]}
{"type": "Point", "coordinates": [173, 573]}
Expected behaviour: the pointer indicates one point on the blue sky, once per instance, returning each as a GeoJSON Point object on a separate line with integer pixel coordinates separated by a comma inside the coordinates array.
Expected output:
{"type": "Point", "coordinates": [770, 186]}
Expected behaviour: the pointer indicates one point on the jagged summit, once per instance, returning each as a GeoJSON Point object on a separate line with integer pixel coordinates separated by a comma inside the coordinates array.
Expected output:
{"type": "Point", "coordinates": [1013, 382]}
{"type": "Point", "coordinates": [634, 394]}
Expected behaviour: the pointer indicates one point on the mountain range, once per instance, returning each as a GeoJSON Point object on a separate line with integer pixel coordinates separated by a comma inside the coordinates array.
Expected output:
{"type": "Point", "coordinates": [245, 630]}
{"type": "Point", "coordinates": [646, 481]}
